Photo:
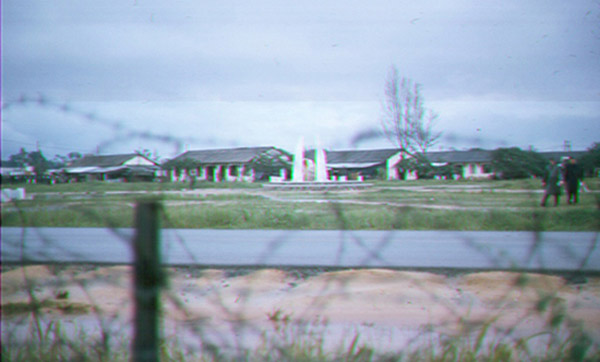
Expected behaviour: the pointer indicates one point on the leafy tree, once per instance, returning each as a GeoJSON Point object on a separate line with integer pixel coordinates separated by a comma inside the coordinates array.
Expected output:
{"type": "Point", "coordinates": [514, 163]}
{"type": "Point", "coordinates": [269, 163]}
{"type": "Point", "coordinates": [181, 164]}
{"type": "Point", "coordinates": [35, 159]}
{"type": "Point", "coordinates": [405, 165]}
{"type": "Point", "coordinates": [20, 158]}
{"type": "Point", "coordinates": [74, 156]}
{"type": "Point", "coordinates": [40, 164]}
{"type": "Point", "coordinates": [60, 161]}
{"type": "Point", "coordinates": [423, 166]}
{"type": "Point", "coordinates": [447, 171]}
{"type": "Point", "coordinates": [590, 162]}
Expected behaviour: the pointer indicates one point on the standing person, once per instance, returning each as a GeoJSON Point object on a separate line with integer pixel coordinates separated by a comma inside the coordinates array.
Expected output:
{"type": "Point", "coordinates": [573, 176]}
{"type": "Point", "coordinates": [552, 183]}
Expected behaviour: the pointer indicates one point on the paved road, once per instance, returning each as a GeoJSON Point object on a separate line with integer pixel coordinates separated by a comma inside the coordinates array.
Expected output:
{"type": "Point", "coordinates": [554, 251]}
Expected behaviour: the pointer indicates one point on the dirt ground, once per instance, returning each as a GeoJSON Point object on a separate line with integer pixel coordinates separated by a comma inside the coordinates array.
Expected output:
{"type": "Point", "coordinates": [372, 298]}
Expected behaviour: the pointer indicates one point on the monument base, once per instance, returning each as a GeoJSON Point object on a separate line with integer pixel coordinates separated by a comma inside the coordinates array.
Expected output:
{"type": "Point", "coordinates": [317, 186]}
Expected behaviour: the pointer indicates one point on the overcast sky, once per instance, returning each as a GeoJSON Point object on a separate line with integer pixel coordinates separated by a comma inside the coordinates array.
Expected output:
{"type": "Point", "coordinates": [116, 76]}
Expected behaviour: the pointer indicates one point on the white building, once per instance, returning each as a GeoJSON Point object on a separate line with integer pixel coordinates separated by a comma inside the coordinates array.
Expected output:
{"type": "Point", "coordinates": [359, 164]}
{"type": "Point", "coordinates": [229, 164]}
{"type": "Point", "coordinates": [122, 167]}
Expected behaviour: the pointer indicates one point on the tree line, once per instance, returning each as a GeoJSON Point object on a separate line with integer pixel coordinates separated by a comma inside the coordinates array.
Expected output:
{"type": "Point", "coordinates": [514, 163]}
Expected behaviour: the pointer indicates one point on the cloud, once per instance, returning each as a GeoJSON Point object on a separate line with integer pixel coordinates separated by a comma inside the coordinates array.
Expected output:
{"type": "Point", "coordinates": [486, 122]}
{"type": "Point", "coordinates": [249, 73]}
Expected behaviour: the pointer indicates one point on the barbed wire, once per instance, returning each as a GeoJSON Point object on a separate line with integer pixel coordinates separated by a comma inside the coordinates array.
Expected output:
{"type": "Point", "coordinates": [83, 311]}
{"type": "Point", "coordinates": [122, 132]}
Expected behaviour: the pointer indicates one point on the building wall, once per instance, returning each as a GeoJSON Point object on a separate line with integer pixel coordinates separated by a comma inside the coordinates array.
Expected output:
{"type": "Point", "coordinates": [391, 166]}
{"type": "Point", "coordinates": [475, 170]}
{"type": "Point", "coordinates": [214, 173]}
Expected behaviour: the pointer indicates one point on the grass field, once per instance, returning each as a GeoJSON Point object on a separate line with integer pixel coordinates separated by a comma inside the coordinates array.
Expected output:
{"type": "Point", "coordinates": [410, 205]}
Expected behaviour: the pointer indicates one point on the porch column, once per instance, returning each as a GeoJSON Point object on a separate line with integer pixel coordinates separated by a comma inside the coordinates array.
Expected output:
{"type": "Point", "coordinates": [392, 172]}
{"type": "Point", "coordinates": [216, 172]}
{"type": "Point", "coordinates": [228, 172]}
{"type": "Point", "coordinates": [241, 172]}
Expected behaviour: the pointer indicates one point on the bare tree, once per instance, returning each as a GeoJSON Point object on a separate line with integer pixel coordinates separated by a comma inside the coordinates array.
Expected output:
{"type": "Point", "coordinates": [406, 122]}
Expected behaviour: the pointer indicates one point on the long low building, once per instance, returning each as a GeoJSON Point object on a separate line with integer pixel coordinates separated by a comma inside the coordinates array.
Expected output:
{"type": "Point", "coordinates": [477, 163]}
{"type": "Point", "coordinates": [472, 164]}
{"type": "Point", "coordinates": [13, 172]}
{"type": "Point", "coordinates": [251, 164]}
{"type": "Point", "coordinates": [387, 163]}
{"type": "Point", "coordinates": [359, 164]}
{"type": "Point", "coordinates": [123, 167]}
{"type": "Point", "coordinates": [230, 164]}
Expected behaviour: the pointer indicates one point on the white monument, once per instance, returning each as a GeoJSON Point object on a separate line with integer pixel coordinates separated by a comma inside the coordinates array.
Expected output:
{"type": "Point", "coordinates": [298, 170]}
{"type": "Point", "coordinates": [321, 179]}
{"type": "Point", "coordinates": [320, 164]}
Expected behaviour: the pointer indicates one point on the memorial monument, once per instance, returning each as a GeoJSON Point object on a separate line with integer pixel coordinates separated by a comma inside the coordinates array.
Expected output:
{"type": "Point", "coordinates": [320, 181]}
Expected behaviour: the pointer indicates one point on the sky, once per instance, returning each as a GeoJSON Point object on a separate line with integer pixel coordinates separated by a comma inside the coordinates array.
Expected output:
{"type": "Point", "coordinates": [118, 76]}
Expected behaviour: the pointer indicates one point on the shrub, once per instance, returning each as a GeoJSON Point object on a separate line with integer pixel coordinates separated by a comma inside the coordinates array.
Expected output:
{"type": "Point", "coordinates": [514, 163]}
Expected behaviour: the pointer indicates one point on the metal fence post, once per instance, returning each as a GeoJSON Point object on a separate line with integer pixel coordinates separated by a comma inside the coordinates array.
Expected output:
{"type": "Point", "coordinates": [148, 280]}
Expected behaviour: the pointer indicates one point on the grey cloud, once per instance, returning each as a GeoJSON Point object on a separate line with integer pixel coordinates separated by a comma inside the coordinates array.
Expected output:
{"type": "Point", "coordinates": [324, 49]}
{"type": "Point", "coordinates": [271, 51]}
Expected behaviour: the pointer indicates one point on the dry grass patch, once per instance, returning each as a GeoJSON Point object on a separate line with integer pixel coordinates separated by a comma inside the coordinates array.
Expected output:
{"type": "Point", "coordinates": [516, 287]}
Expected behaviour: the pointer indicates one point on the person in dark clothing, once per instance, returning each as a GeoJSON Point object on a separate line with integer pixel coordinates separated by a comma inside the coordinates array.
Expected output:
{"type": "Point", "coordinates": [573, 176]}
{"type": "Point", "coordinates": [552, 183]}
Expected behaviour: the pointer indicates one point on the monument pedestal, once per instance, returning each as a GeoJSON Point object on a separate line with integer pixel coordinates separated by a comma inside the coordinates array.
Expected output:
{"type": "Point", "coordinates": [317, 186]}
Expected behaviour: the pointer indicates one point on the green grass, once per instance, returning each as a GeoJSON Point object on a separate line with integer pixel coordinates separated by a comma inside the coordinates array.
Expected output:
{"type": "Point", "coordinates": [263, 214]}
{"type": "Point", "coordinates": [379, 208]}
{"type": "Point", "coordinates": [460, 199]}
{"type": "Point", "coordinates": [100, 186]}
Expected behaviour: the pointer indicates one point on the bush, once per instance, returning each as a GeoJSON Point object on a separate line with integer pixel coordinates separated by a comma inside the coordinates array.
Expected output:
{"type": "Point", "coordinates": [590, 162]}
{"type": "Point", "coordinates": [514, 163]}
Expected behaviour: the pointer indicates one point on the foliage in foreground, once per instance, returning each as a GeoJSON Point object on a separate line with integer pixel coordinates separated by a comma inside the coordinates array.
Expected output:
{"type": "Point", "coordinates": [296, 340]}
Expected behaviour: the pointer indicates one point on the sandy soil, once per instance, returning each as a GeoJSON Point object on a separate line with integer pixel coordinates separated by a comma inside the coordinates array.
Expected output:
{"type": "Point", "coordinates": [371, 298]}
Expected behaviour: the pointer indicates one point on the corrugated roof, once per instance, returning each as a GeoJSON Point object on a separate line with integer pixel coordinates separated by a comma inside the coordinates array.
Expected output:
{"type": "Point", "coordinates": [460, 156]}
{"type": "Point", "coordinates": [353, 165]}
{"type": "Point", "coordinates": [103, 160]}
{"type": "Point", "coordinates": [84, 170]}
{"type": "Point", "coordinates": [356, 156]}
{"type": "Point", "coordinates": [224, 155]}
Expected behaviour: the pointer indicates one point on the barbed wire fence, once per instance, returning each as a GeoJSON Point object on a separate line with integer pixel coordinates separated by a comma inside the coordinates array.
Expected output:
{"type": "Point", "coordinates": [65, 309]}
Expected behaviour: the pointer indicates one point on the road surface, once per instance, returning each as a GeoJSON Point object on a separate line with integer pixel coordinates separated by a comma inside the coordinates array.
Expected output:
{"type": "Point", "coordinates": [483, 250]}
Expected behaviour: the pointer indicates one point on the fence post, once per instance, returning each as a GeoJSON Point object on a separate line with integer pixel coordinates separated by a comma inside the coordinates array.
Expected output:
{"type": "Point", "coordinates": [148, 281]}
